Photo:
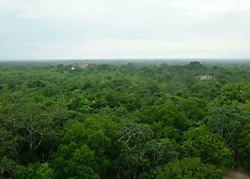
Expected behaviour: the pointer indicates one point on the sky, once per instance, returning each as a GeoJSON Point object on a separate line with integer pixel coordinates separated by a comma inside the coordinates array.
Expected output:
{"type": "Point", "coordinates": [120, 29]}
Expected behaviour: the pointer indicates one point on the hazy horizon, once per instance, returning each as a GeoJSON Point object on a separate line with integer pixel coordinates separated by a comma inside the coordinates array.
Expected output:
{"type": "Point", "coordinates": [133, 59]}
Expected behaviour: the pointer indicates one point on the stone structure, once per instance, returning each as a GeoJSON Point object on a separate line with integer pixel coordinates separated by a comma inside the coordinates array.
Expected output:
{"type": "Point", "coordinates": [79, 64]}
{"type": "Point", "coordinates": [205, 77]}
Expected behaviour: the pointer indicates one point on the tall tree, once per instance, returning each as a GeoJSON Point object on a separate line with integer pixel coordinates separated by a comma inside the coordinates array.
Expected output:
{"type": "Point", "coordinates": [188, 168]}
{"type": "Point", "coordinates": [83, 149]}
{"type": "Point", "coordinates": [138, 152]}
{"type": "Point", "coordinates": [244, 146]}
{"type": "Point", "coordinates": [210, 147]}
{"type": "Point", "coordinates": [26, 127]}
{"type": "Point", "coordinates": [227, 122]}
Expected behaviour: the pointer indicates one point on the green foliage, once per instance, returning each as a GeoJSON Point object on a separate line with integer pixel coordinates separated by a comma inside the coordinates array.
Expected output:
{"type": "Point", "coordinates": [81, 104]}
{"type": "Point", "coordinates": [160, 152]}
{"type": "Point", "coordinates": [188, 168]}
{"type": "Point", "coordinates": [230, 93]}
{"type": "Point", "coordinates": [139, 153]}
{"type": "Point", "coordinates": [133, 138]}
{"type": "Point", "coordinates": [25, 131]}
{"type": "Point", "coordinates": [244, 146]}
{"type": "Point", "coordinates": [49, 112]}
{"type": "Point", "coordinates": [35, 84]}
{"type": "Point", "coordinates": [74, 161]}
{"type": "Point", "coordinates": [165, 120]}
{"type": "Point", "coordinates": [206, 90]}
{"type": "Point", "coordinates": [227, 121]}
{"type": "Point", "coordinates": [34, 171]}
{"type": "Point", "coordinates": [83, 150]}
{"type": "Point", "coordinates": [44, 172]}
{"type": "Point", "coordinates": [210, 147]}
{"type": "Point", "coordinates": [194, 108]}
{"type": "Point", "coordinates": [7, 166]}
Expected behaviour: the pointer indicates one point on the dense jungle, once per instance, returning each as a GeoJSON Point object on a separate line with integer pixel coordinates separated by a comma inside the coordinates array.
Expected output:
{"type": "Point", "coordinates": [123, 120]}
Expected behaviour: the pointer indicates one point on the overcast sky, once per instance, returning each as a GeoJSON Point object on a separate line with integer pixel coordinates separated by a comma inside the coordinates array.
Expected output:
{"type": "Point", "coordinates": [84, 29]}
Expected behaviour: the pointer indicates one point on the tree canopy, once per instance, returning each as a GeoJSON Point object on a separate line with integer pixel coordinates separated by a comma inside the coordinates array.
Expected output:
{"type": "Point", "coordinates": [123, 119]}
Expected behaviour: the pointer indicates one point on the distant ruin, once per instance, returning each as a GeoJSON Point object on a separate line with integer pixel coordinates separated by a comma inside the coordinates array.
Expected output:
{"type": "Point", "coordinates": [79, 64]}
{"type": "Point", "coordinates": [205, 77]}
